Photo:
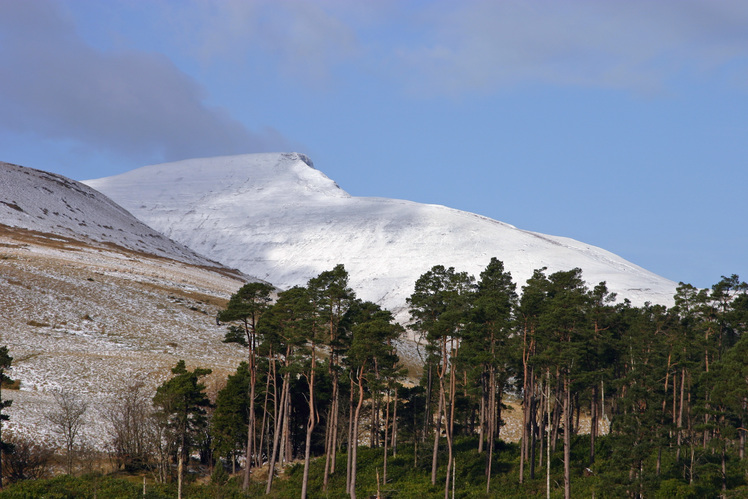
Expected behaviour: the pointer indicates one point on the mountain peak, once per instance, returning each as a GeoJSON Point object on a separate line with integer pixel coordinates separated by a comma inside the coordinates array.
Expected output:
{"type": "Point", "coordinates": [276, 217]}
{"type": "Point", "coordinates": [289, 178]}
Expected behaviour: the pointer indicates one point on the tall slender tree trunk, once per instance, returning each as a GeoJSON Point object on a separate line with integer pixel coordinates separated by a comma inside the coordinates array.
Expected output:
{"type": "Point", "coordinates": [427, 409]}
{"type": "Point", "coordinates": [331, 441]}
{"type": "Point", "coordinates": [265, 420]}
{"type": "Point", "coordinates": [251, 423]}
{"type": "Point", "coordinates": [548, 435]}
{"type": "Point", "coordinates": [593, 423]}
{"type": "Point", "coordinates": [567, 439]}
{"type": "Point", "coordinates": [351, 442]}
{"type": "Point", "coordinates": [442, 407]}
{"type": "Point", "coordinates": [525, 407]}
{"type": "Point", "coordinates": [279, 420]}
{"type": "Point", "coordinates": [328, 444]}
{"type": "Point", "coordinates": [680, 410]}
{"type": "Point", "coordinates": [386, 437]}
{"type": "Point", "coordinates": [393, 444]}
{"type": "Point", "coordinates": [491, 424]}
{"type": "Point", "coordinates": [533, 430]}
{"type": "Point", "coordinates": [354, 451]}
{"type": "Point", "coordinates": [449, 426]}
{"type": "Point", "coordinates": [437, 430]}
{"type": "Point", "coordinates": [309, 427]}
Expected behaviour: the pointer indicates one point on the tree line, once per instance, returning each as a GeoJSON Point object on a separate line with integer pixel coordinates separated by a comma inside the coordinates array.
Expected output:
{"type": "Point", "coordinates": [658, 395]}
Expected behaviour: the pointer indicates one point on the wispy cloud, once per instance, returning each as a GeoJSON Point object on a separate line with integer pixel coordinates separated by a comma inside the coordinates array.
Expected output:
{"type": "Point", "coordinates": [635, 44]}
{"type": "Point", "coordinates": [134, 103]}
{"type": "Point", "coordinates": [447, 47]}
{"type": "Point", "coordinates": [294, 38]}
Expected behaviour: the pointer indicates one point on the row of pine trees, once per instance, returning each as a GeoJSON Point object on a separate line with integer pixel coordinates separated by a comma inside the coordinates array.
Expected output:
{"type": "Point", "coordinates": [659, 393]}
{"type": "Point", "coordinates": [667, 388]}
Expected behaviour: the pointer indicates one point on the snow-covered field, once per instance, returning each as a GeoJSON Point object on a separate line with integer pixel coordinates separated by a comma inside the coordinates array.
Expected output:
{"type": "Point", "coordinates": [276, 217]}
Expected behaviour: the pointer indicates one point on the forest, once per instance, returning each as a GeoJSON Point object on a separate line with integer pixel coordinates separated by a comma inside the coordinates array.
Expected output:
{"type": "Point", "coordinates": [611, 400]}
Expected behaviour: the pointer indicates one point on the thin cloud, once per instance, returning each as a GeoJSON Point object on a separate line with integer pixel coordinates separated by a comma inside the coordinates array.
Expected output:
{"type": "Point", "coordinates": [446, 47]}
{"type": "Point", "coordinates": [488, 45]}
{"type": "Point", "coordinates": [133, 103]}
{"type": "Point", "coordinates": [298, 39]}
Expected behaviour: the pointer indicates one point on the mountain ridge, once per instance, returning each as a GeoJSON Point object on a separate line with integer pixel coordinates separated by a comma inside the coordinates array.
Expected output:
{"type": "Point", "coordinates": [275, 216]}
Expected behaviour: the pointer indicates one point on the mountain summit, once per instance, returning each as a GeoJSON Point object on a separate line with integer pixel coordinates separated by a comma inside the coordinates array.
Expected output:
{"type": "Point", "coordinates": [277, 217]}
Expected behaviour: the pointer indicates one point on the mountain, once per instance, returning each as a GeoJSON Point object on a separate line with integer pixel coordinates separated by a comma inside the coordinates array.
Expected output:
{"type": "Point", "coordinates": [91, 300]}
{"type": "Point", "coordinates": [57, 207]}
{"type": "Point", "coordinates": [277, 217]}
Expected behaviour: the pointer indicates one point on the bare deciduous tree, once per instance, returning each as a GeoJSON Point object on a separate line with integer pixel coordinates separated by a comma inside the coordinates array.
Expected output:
{"type": "Point", "coordinates": [28, 460]}
{"type": "Point", "coordinates": [131, 426]}
{"type": "Point", "coordinates": [67, 420]}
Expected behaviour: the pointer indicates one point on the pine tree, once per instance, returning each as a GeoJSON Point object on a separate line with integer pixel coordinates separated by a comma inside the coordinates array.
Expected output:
{"type": "Point", "coordinates": [440, 307]}
{"type": "Point", "coordinates": [231, 415]}
{"type": "Point", "coordinates": [181, 403]}
{"type": "Point", "coordinates": [247, 306]}
{"type": "Point", "coordinates": [284, 328]}
{"type": "Point", "coordinates": [487, 349]}
{"type": "Point", "coordinates": [331, 297]}
{"type": "Point", "coordinates": [371, 358]}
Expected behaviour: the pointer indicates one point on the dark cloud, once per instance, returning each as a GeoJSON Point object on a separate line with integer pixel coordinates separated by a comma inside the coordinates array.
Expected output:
{"type": "Point", "coordinates": [138, 104]}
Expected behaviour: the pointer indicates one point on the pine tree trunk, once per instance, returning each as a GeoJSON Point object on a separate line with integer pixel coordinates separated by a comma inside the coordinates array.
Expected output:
{"type": "Point", "coordinates": [449, 426]}
{"type": "Point", "coordinates": [357, 416]}
{"type": "Point", "coordinates": [593, 423]}
{"type": "Point", "coordinates": [567, 439]}
{"type": "Point", "coordinates": [393, 444]}
{"type": "Point", "coordinates": [309, 428]}
{"type": "Point", "coordinates": [351, 442]}
{"type": "Point", "coordinates": [437, 430]}
{"type": "Point", "coordinates": [526, 414]}
{"type": "Point", "coordinates": [251, 422]}
{"type": "Point", "coordinates": [427, 409]}
{"type": "Point", "coordinates": [279, 423]}
{"type": "Point", "coordinates": [328, 443]}
{"type": "Point", "coordinates": [386, 437]}
{"type": "Point", "coordinates": [180, 472]}
{"type": "Point", "coordinates": [265, 421]}
{"type": "Point", "coordinates": [533, 431]}
{"type": "Point", "coordinates": [548, 436]}
{"type": "Point", "coordinates": [442, 407]}
{"type": "Point", "coordinates": [482, 414]}
{"type": "Point", "coordinates": [490, 425]}
{"type": "Point", "coordinates": [680, 410]}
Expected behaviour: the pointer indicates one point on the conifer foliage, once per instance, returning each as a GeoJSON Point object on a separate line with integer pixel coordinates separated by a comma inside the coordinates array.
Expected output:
{"type": "Point", "coordinates": [612, 400]}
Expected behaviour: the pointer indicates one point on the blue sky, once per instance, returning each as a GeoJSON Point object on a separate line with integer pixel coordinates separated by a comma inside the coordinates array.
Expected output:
{"type": "Point", "coordinates": [623, 124]}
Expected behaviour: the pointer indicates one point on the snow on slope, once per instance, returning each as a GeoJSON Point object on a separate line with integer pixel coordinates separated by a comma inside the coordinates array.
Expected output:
{"type": "Point", "coordinates": [92, 299]}
{"type": "Point", "coordinates": [276, 217]}
{"type": "Point", "coordinates": [52, 204]}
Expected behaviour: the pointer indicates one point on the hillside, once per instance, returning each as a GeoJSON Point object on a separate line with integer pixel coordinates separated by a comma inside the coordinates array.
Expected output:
{"type": "Point", "coordinates": [277, 217]}
{"type": "Point", "coordinates": [92, 299]}
{"type": "Point", "coordinates": [52, 204]}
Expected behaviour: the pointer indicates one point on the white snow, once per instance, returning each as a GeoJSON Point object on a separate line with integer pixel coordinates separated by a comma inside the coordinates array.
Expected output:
{"type": "Point", "coordinates": [276, 217]}
{"type": "Point", "coordinates": [55, 205]}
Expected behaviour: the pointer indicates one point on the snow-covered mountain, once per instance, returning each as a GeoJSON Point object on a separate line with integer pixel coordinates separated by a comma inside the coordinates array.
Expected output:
{"type": "Point", "coordinates": [277, 217]}
{"type": "Point", "coordinates": [52, 205]}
